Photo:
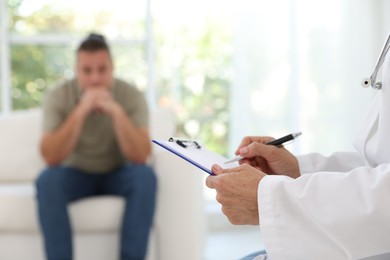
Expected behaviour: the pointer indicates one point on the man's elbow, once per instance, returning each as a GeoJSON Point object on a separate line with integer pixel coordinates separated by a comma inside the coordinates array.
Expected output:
{"type": "Point", "coordinates": [140, 157]}
{"type": "Point", "coordinates": [51, 160]}
{"type": "Point", "coordinates": [139, 161]}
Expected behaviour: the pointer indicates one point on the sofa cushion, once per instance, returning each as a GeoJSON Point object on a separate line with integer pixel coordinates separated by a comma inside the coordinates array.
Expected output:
{"type": "Point", "coordinates": [18, 209]}
{"type": "Point", "coordinates": [19, 150]}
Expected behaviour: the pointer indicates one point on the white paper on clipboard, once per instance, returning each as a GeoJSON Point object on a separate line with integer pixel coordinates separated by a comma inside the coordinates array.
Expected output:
{"type": "Point", "coordinates": [200, 156]}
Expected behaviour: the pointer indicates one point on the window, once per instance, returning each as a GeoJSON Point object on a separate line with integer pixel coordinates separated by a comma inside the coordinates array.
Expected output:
{"type": "Point", "coordinates": [43, 36]}
{"type": "Point", "coordinates": [227, 68]}
{"type": "Point", "coordinates": [194, 67]}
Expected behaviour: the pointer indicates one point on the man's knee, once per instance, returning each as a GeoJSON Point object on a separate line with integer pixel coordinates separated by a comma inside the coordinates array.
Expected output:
{"type": "Point", "coordinates": [50, 180]}
{"type": "Point", "coordinates": [147, 177]}
{"type": "Point", "coordinates": [142, 176]}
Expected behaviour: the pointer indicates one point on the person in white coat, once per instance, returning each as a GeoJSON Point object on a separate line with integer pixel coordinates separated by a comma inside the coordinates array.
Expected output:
{"type": "Point", "coordinates": [311, 206]}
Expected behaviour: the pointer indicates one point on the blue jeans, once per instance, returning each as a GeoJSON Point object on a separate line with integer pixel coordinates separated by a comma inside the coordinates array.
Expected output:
{"type": "Point", "coordinates": [59, 186]}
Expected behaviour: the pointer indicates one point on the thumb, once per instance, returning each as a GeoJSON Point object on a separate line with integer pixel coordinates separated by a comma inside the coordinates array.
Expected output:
{"type": "Point", "coordinates": [216, 169]}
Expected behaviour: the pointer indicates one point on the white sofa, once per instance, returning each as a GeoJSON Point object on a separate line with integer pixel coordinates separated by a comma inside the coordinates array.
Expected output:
{"type": "Point", "coordinates": [178, 231]}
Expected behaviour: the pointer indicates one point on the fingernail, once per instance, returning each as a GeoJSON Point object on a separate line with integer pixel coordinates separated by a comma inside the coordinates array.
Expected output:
{"type": "Point", "coordinates": [217, 168]}
{"type": "Point", "coordinates": [244, 150]}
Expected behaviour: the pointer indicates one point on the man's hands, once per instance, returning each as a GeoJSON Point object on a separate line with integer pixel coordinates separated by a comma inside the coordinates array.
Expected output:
{"type": "Point", "coordinates": [237, 187]}
{"type": "Point", "coordinates": [237, 192]}
{"type": "Point", "coordinates": [98, 100]}
{"type": "Point", "coordinates": [268, 158]}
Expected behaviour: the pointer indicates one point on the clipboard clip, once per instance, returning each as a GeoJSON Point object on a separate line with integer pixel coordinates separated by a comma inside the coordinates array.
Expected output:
{"type": "Point", "coordinates": [185, 143]}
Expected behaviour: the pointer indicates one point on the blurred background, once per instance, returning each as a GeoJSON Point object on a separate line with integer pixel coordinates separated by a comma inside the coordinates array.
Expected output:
{"type": "Point", "coordinates": [226, 68]}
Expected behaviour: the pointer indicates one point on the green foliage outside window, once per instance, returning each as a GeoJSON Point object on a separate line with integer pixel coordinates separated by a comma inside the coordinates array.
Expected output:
{"type": "Point", "coordinates": [34, 69]}
{"type": "Point", "coordinates": [198, 85]}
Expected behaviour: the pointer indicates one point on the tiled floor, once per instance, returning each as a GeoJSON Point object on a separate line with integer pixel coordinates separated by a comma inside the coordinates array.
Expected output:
{"type": "Point", "coordinates": [233, 243]}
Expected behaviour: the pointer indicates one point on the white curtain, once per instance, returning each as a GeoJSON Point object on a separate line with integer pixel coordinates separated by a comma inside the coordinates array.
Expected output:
{"type": "Point", "coordinates": [298, 66]}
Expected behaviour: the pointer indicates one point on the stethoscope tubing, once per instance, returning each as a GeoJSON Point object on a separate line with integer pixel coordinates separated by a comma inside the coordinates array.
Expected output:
{"type": "Point", "coordinates": [372, 81]}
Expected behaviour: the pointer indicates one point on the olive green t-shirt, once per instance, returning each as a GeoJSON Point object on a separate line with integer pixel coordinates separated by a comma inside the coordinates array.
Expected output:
{"type": "Point", "coordinates": [97, 150]}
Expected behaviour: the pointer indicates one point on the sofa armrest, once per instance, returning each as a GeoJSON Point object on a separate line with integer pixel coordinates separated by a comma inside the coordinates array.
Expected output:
{"type": "Point", "coordinates": [180, 215]}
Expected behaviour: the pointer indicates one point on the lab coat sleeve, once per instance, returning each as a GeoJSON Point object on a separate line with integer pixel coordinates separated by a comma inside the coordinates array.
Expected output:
{"type": "Point", "coordinates": [340, 162]}
{"type": "Point", "coordinates": [326, 215]}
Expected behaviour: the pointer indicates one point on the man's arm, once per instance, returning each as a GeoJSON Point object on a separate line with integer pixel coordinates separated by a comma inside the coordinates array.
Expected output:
{"type": "Point", "coordinates": [237, 187]}
{"type": "Point", "coordinates": [133, 141]}
{"type": "Point", "coordinates": [56, 145]}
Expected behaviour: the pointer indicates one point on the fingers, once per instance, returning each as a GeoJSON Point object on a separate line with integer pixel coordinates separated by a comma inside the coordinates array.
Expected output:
{"type": "Point", "coordinates": [246, 141]}
{"type": "Point", "coordinates": [217, 170]}
{"type": "Point", "coordinates": [98, 93]}
{"type": "Point", "coordinates": [258, 149]}
{"type": "Point", "coordinates": [252, 139]}
{"type": "Point", "coordinates": [237, 192]}
{"type": "Point", "coordinates": [97, 99]}
{"type": "Point", "coordinates": [210, 182]}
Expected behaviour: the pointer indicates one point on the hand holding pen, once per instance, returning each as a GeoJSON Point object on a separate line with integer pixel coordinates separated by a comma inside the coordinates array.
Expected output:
{"type": "Point", "coordinates": [275, 142]}
{"type": "Point", "coordinates": [268, 155]}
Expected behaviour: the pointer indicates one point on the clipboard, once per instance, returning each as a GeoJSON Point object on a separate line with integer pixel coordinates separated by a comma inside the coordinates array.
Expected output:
{"type": "Point", "coordinates": [194, 153]}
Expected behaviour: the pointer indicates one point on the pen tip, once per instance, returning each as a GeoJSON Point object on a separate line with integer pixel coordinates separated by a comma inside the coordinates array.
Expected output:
{"type": "Point", "coordinates": [297, 134]}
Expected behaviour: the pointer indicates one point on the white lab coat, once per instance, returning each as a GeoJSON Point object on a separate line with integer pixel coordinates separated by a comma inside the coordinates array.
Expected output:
{"type": "Point", "coordinates": [340, 207]}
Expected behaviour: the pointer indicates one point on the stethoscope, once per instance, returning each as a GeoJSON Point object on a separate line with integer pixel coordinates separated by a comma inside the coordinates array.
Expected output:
{"type": "Point", "coordinates": [366, 82]}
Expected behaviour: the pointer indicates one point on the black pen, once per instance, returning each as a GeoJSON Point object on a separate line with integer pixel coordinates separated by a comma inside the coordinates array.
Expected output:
{"type": "Point", "coordinates": [276, 142]}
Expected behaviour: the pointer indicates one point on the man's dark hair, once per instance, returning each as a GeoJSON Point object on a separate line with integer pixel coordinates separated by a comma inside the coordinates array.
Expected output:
{"type": "Point", "coordinates": [94, 42]}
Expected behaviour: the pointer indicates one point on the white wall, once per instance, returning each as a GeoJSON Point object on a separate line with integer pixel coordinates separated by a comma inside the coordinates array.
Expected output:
{"type": "Point", "coordinates": [298, 66]}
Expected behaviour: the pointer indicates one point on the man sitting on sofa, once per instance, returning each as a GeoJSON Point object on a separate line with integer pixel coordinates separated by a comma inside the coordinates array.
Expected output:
{"type": "Point", "coordinates": [95, 142]}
